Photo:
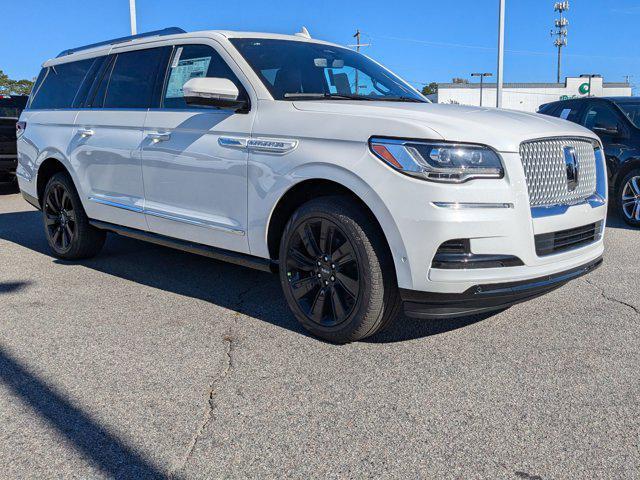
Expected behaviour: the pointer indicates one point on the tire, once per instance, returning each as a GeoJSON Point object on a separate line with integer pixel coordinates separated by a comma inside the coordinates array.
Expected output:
{"type": "Point", "coordinates": [66, 225]}
{"type": "Point", "coordinates": [628, 196]}
{"type": "Point", "coordinates": [336, 271]}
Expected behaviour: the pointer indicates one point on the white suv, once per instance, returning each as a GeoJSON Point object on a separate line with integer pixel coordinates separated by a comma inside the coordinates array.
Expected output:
{"type": "Point", "coordinates": [305, 158]}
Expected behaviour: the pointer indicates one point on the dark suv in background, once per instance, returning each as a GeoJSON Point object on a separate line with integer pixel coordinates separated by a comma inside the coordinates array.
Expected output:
{"type": "Point", "coordinates": [11, 107]}
{"type": "Point", "coordinates": [617, 122]}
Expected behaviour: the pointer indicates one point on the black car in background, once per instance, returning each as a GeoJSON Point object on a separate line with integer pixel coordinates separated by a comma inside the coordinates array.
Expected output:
{"type": "Point", "coordinates": [616, 120]}
{"type": "Point", "coordinates": [11, 107]}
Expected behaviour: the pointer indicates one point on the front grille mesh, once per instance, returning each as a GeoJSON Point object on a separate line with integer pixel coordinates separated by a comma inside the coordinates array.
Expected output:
{"type": "Point", "coordinates": [546, 171]}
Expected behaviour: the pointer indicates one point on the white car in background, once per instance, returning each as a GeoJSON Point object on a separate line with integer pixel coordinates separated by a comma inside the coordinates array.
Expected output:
{"type": "Point", "coordinates": [305, 158]}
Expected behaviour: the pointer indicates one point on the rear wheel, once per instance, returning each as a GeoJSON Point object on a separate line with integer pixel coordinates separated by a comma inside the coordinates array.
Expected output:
{"type": "Point", "coordinates": [66, 224]}
{"type": "Point", "coordinates": [629, 198]}
{"type": "Point", "coordinates": [336, 271]}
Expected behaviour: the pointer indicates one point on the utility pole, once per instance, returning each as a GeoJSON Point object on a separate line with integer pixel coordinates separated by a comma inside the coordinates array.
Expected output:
{"type": "Point", "coordinates": [500, 54]}
{"type": "Point", "coordinates": [560, 32]}
{"type": "Point", "coordinates": [132, 15]}
{"type": "Point", "coordinates": [481, 75]}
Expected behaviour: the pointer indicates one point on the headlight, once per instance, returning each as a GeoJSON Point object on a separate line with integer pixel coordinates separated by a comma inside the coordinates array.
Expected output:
{"type": "Point", "coordinates": [438, 161]}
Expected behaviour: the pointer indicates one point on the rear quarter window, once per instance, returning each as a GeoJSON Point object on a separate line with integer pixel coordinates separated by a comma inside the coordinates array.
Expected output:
{"type": "Point", "coordinates": [60, 84]}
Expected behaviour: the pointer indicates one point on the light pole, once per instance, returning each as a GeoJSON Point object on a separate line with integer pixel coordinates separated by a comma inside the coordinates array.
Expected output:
{"type": "Point", "coordinates": [132, 15]}
{"type": "Point", "coordinates": [481, 75]}
{"type": "Point", "coordinates": [500, 54]}
{"type": "Point", "coordinates": [590, 76]}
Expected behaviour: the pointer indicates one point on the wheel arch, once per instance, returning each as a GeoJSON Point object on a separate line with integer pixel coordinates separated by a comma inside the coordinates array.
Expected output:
{"type": "Point", "coordinates": [313, 184]}
{"type": "Point", "coordinates": [625, 168]}
{"type": "Point", "coordinates": [48, 168]}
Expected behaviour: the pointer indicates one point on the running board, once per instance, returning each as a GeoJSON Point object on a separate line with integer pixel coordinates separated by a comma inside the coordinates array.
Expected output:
{"type": "Point", "coordinates": [242, 259]}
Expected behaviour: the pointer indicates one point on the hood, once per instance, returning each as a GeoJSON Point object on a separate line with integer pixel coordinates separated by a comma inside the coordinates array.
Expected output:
{"type": "Point", "coordinates": [501, 129]}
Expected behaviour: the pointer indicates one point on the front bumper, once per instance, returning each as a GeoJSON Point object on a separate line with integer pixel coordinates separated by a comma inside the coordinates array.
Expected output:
{"type": "Point", "coordinates": [487, 297]}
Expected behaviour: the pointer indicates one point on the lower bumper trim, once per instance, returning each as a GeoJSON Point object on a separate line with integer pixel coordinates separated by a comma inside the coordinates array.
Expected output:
{"type": "Point", "coordinates": [487, 298]}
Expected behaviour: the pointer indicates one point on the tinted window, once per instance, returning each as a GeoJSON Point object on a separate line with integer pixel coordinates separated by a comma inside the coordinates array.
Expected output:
{"type": "Point", "coordinates": [193, 61]}
{"type": "Point", "coordinates": [60, 85]}
{"type": "Point", "coordinates": [304, 70]}
{"type": "Point", "coordinates": [632, 111]}
{"type": "Point", "coordinates": [132, 79]}
{"type": "Point", "coordinates": [600, 115]}
{"type": "Point", "coordinates": [12, 106]}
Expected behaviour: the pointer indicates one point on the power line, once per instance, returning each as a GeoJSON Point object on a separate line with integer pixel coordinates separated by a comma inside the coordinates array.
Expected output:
{"type": "Point", "coordinates": [493, 49]}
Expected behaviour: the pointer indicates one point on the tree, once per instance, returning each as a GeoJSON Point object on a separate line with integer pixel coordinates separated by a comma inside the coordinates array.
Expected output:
{"type": "Point", "coordinates": [430, 89]}
{"type": "Point", "coordinates": [460, 80]}
{"type": "Point", "coordinates": [14, 87]}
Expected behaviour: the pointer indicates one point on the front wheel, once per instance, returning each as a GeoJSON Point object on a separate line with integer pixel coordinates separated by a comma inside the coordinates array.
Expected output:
{"type": "Point", "coordinates": [629, 198]}
{"type": "Point", "coordinates": [337, 272]}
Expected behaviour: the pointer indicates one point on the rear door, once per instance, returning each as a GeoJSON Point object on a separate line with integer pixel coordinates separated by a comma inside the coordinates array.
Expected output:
{"type": "Point", "coordinates": [106, 142]}
{"type": "Point", "coordinates": [196, 182]}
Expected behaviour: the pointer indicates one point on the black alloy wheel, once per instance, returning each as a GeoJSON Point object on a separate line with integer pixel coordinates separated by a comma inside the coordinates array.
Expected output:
{"type": "Point", "coordinates": [336, 270]}
{"type": "Point", "coordinates": [67, 227]}
{"type": "Point", "coordinates": [60, 218]}
{"type": "Point", "coordinates": [323, 272]}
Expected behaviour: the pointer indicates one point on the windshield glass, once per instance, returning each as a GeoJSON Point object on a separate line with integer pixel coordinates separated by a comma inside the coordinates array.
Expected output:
{"type": "Point", "coordinates": [631, 110]}
{"type": "Point", "coordinates": [295, 70]}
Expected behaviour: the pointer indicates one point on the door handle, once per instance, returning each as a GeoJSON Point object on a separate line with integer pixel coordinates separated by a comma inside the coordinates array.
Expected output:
{"type": "Point", "coordinates": [159, 136]}
{"type": "Point", "coordinates": [85, 132]}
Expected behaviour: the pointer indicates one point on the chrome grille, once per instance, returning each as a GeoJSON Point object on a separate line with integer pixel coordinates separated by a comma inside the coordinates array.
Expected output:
{"type": "Point", "coordinates": [546, 170]}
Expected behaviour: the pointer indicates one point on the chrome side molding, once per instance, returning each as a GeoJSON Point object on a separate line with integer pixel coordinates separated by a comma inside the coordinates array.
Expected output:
{"type": "Point", "coordinates": [194, 221]}
{"type": "Point", "coordinates": [168, 216]}
{"type": "Point", "coordinates": [109, 203]}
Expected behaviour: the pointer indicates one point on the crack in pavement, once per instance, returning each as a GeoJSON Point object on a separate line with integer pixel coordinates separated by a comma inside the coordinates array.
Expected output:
{"type": "Point", "coordinates": [230, 343]}
{"type": "Point", "coordinates": [207, 415]}
{"type": "Point", "coordinates": [604, 295]}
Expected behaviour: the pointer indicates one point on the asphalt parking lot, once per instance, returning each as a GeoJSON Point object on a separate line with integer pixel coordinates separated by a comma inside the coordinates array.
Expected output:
{"type": "Point", "coordinates": [147, 362]}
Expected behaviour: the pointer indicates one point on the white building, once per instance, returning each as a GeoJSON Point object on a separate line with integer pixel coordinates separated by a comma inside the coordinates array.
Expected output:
{"type": "Point", "coordinates": [528, 96]}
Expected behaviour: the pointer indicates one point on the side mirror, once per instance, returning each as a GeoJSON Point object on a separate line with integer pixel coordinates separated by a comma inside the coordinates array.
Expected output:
{"type": "Point", "coordinates": [213, 92]}
{"type": "Point", "coordinates": [606, 129]}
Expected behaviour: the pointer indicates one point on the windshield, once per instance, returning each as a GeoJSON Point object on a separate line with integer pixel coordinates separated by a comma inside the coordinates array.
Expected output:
{"type": "Point", "coordinates": [295, 70]}
{"type": "Point", "coordinates": [631, 110]}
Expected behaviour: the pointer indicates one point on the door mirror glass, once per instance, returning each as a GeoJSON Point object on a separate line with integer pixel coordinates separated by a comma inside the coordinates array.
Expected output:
{"type": "Point", "coordinates": [213, 92]}
{"type": "Point", "coordinates": [606, 129]}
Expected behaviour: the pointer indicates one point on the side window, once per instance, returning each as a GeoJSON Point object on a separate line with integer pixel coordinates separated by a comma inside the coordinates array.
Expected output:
{"type": "Point", "coordinates": [600, 116]}
{"type": "Point", "coordinates": [132, 79]}
{"type": "Point", "coordinates": [60, 85]}
{"type": "Point", "coordinates": [193, 61]}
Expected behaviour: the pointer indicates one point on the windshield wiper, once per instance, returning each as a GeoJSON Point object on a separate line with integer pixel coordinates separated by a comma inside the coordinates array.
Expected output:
{"type": "Point", "coordinates": [325, 96]}
{"type": "Point", "coordinates": [400, 99]}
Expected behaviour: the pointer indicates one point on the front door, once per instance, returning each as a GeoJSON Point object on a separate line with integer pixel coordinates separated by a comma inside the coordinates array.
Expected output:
{"type": "Point", "coordinates": [195, 183]}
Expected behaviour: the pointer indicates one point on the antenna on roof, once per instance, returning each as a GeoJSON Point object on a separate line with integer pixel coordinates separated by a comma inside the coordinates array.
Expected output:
{"type": "Point", "coordinates": [304, 33]}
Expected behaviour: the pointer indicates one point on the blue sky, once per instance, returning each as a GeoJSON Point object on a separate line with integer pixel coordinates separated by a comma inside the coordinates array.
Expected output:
{"type": "Point", "coordinates": [423, 41]}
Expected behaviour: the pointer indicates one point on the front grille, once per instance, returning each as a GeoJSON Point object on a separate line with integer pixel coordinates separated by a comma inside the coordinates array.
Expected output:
{"type": "Point", "coordinates": [556, 242]}
{"type": "Point", "coordinates": [546, 170]}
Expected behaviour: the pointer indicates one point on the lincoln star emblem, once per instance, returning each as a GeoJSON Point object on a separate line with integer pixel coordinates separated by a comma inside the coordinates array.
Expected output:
{"type": "Point", "coordinates": [571, 162]}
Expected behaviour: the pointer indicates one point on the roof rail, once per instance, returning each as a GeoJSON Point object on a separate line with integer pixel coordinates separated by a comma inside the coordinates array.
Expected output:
{"type": "Point", "coordinates": [155, 33]}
